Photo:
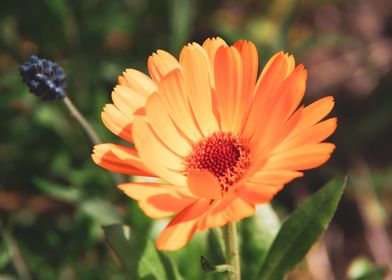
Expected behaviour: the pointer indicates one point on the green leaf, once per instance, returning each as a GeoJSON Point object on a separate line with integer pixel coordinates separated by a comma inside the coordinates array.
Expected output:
{"type": "Point", "coordinates": [138, 255]}
{"type": "Point", "coordinates": [58, 191]}
{"type": "Point", "coordinates": [301, 229]}
{"type": "Point", "coordinates": [100, 211]}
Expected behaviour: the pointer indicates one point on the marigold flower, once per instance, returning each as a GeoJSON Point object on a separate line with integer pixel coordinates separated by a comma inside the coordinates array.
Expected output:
{"type": "Point", "coordinates": [221, 138]}
{"type": "Point", "coordinates": [44, 78]}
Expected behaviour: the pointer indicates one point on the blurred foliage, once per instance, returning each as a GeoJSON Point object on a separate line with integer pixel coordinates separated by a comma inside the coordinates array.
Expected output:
{"type": "Point", "coordinates": [53, 199]}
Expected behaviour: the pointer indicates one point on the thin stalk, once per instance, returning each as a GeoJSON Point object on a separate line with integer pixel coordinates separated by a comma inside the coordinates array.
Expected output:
{"type": "Point", "coordinates": [83, 122]}
{"type": "Point", "coordinates": [89, 130]}
{"type": "Point", "coordinates": [231, 248]}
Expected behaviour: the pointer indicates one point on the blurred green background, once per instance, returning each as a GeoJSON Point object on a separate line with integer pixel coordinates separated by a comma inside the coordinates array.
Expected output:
{"type": "Point", "coordinates": [53, 198]}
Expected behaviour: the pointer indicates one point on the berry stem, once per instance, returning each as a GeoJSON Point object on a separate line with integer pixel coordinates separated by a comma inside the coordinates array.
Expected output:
{"type": "Point", "coordinates": [83, 122]}
{"type": "Point", "coordinates": [89, 130]}
{"type": "Point", "coordinates": [232, 252]}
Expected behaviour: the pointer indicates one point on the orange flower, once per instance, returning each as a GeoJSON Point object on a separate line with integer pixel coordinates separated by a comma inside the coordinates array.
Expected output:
{"type": "Point", "coordinates": [221, 138]}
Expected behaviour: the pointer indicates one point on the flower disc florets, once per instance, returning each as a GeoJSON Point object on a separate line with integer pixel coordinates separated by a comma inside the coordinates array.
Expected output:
{"type": "Point", "coordinates": [44, 78]}
{"type": "Point", "coordinates": [223, 154]}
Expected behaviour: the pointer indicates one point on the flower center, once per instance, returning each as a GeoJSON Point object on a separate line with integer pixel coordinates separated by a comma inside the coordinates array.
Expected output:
{"type": "Point", "coordinates": [223, 154]}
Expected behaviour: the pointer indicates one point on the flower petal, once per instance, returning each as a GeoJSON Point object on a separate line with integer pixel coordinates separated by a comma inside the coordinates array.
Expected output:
{"type": "Point", "coordinates": [160, 64]}
{"type": "Point", "coordinates": [138, 82]}
{"type": "Point", "coordinates": [289, 96]}
{"type": "Point", "coordinates": [182, 227]}
{"type": "Point", "coordinates": [302, 158]}
{"type": "Point", "coordinates": [163, 126]}
{"type": "Point", "coordinates": [117, 122]}
{"type": "Point", "coordinates": [156, 155]}
{"type": "Point", "coordinates": [211, 45]}
{"type": "Point", "coordinates": [232, 208]}
{"type": "Point", "coordinates": [228, 70]}
{"type": "Point", "coordinates": [263, 145]}
{"type": "Point", "coordinates": [127, 100]}
{"type": "Point", "coordinates": [257, 193]}
{"type": "Point", "coordinates": [250, 61]}
{"type": "Point", "coordinates": [119, 159]}
{"type": "Point", "coordinates": [313, 113]}
{"type": "Point", "coordinates": [204, 184]}
{"type": "Point", "coordinates": [195, 64]}
{"type": "Point", "coordinates": [274, 75]}
{"type": "Point", "coordinates": [173, 95]}
{"type": "Point", "coordinates": [312, 135]}
{"type": "Point", "coordinates": [158, 200]}
{"type": "Point", "coordinates": [274, 177]}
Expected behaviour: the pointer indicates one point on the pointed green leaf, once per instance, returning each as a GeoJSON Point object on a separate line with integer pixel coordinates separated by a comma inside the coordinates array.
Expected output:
{"type": "Point", "coordinates": [101, 211]}
{"type": "Point", "coordinates": [301, 229]}
{"type": "Point", "coordinates": [58, 191]}
{"type": "Point", "coordinates": [138, 255]}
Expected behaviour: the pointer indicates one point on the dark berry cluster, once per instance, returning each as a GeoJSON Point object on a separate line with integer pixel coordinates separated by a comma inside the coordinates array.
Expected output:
{"type": "Point", "coordinates": [44, 78]}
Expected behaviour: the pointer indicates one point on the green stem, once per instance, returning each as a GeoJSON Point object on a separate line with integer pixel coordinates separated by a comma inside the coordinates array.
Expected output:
{"type": "Point", "coordinates": [89, 130]}
{"type": "Point", "coordinates": [83, 122]}
{"type": "Point", "coordinates": [232, 252]}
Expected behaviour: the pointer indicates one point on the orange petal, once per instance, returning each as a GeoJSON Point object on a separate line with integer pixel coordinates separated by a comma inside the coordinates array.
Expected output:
{"type": "Point", "coordinates": [156, 155]}
{"type": "Point", "coordinates": [275, 177]}
{"type": "Point", "coordinates": [196, 66]}
{"type": "Point", "coordinates": [312, 135]}
{"type": "Point", "coordinates": [158, 200]}
{"type": "Point", "coordinates": [313, 113]}
{"type": "Point", "coordinates": [291, 93]}
{"type": "Point", "coordinates": [163, 126]}
{"type": "Point", "coordinates": [257, 193]}
{"type": "Point", "coordinates": [138, 82]}
{"type": "Point", "coordinates": [265, 98]}
{"type": "Point", "coordinates": [289, 60]}
{"type": "Point", "coordinates": [127, 100]}
{"type": "Point", "coordinates": [302, 158]}
{"type": "Point", "coordinates": [263, 144]}
{"type": "Point", "coordinates": [204, 184]}
{"type": "Point", "coordinates": [228, 70]}
{"type": "Point", "coordinates": [182, 227]}
{"type": "Point", "coordinates": [211, 45]}
{"type": "Point", "coordinates": [230, 209]}
{"type": "Point", "coordinates": [250, 61]}
{"type": "Point", "coordinates": [160, 64]}
{"type": "Point", "coordinates": [119, 159]}
{"type": "Point", "coordinates": [117, 122]}
{"type": "Point", "coordinates": [173, 95]}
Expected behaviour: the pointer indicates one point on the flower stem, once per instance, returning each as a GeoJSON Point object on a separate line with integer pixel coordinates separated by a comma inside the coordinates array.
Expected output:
{"type": "Point", "coordinates": [89, 130]}
{"type": "Point", "coordinates": [83, 122]}
{"type": "Point", "coordinates": [231, 248]}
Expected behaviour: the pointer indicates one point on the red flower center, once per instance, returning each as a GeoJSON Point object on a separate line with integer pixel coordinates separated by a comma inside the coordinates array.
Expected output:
{"type": "Point", "coordinates": [223, 154]}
